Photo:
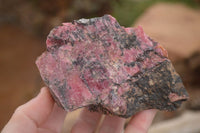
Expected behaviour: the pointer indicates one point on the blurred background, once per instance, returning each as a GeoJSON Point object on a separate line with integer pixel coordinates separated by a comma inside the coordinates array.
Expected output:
{"type": "Point", "coordinates": [24, 25]}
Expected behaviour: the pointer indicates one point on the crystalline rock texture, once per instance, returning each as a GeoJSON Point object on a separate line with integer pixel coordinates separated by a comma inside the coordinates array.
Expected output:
{"type": "Point", "coordinates": [108, 68]}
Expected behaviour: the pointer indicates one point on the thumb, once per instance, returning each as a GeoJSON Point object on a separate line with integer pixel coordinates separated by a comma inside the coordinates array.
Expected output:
{"type": "Point", "coordinates": [27, 117]}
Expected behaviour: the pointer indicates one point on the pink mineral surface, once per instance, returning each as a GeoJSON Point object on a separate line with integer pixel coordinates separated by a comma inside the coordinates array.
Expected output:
{"type": "Point", "coordinates": [108, 68]}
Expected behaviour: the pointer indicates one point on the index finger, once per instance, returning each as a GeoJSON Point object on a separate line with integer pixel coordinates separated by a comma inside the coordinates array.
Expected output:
{"type": "Point", "coordinates": [31, 114]}
{"type": "Point", "coordinates": [39, 108]}
{"type": "Point", "coordinates": [141, 122]}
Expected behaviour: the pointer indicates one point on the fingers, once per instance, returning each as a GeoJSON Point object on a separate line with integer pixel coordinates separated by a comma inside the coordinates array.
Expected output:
{"type": "Point", "coordinates": [56, 119]}
{"type": "Point", "coordinates": [87, 122]}
{"type": "Point", "coordinates": [39, 108]}
{"type": "Point", "coordinates": [141, 122]}
{"type": "Point", "coordinates": [112, 124]}
{"type": "Point", "coordinates": [42, 109]}
{"type": "Point", "coordinates": [31, 114]}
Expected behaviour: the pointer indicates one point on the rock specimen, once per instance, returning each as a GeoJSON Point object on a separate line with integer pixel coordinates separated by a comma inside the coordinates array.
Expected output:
{"type": "Point", "coordinates": [108, 68]}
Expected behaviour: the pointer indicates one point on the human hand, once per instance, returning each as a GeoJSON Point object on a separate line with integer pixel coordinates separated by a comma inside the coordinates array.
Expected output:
{"type": "Point", "coordinates": [39, 115]}
{"type": "Point", "coordinates": [88, 121]}
{"type": "Point", "coordinates": [42, 115]}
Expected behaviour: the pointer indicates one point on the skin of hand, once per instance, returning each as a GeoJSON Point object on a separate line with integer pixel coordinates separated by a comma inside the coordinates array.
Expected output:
{"type": "Point", "coordinates": [42, 115]}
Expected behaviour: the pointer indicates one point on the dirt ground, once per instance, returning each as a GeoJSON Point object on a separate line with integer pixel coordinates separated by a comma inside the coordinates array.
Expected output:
{"type": "Point", "coordinates": [19, 80]}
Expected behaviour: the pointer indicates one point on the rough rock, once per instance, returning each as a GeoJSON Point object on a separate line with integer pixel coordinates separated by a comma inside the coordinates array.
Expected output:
{"type": "Point", "coordinates": [108, 68]}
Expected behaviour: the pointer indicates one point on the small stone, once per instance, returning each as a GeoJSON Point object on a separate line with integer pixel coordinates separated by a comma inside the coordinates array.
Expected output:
{"type": "Point", "coordinates": [108, 68]}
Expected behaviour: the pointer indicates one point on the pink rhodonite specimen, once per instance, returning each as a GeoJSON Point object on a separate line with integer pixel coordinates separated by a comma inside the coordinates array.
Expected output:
{"type": "Point", "coordinates": [108, 68]}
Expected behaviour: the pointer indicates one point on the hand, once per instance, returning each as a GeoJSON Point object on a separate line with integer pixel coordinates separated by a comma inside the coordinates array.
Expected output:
{"type": "Point", "coordinates": [39, 115]}
{"type": "Point", "coordinates": [42, 115]}
{"type": "Point", "coordinates": [88, 121]}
